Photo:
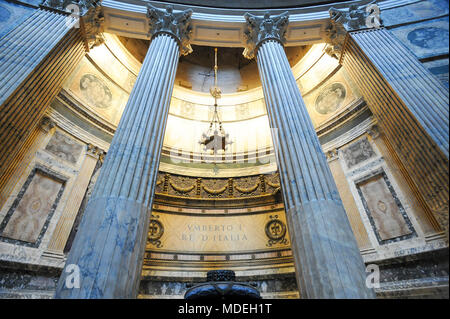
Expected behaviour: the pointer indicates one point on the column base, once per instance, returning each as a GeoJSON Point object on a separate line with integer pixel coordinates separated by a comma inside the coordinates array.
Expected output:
{"type": "Point", "coordinates": [327, 258]}
{"type": "Point", "coordinates": [108, 251]}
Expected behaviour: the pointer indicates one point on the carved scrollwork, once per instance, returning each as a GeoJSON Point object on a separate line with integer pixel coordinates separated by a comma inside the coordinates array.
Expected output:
{"type": "Point", "coordinates": [47, 124]}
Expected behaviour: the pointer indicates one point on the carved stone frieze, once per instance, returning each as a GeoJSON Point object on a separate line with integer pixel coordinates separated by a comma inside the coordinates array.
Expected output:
{"type": "Point", "coordinates": [213, 188]}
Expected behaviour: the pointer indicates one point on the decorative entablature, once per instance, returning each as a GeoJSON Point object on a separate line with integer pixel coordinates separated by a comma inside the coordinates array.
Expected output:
{"type": "Point", "coordinates": [343, 21]}
{"type": "Point", "coordinates": [84, 14]}
{"type": "Point", "coordinates": [260, 188]}
{"type": "Point", "coordinates": [225, 28]}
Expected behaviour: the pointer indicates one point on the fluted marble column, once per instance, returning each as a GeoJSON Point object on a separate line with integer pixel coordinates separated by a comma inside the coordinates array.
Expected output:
{"type": "Point", "coordinates": [327, 259]}
{"type": "Point", "coordinates": [410, 104]}
{"type": "Point", "coordinates": [35, 59]}
{"type": "Point", "coordinates": [110, 243]}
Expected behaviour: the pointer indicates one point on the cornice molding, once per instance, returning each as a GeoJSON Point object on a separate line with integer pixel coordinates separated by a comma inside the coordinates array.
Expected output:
{"type": "Point", "coordinates": [225, 27]}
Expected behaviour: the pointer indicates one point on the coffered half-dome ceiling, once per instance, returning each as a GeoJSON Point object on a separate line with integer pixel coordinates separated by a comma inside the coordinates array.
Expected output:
{"type": "Point", "coordinates": [196, 70]}
{"type": "Point", "coordinates": [103, 81]}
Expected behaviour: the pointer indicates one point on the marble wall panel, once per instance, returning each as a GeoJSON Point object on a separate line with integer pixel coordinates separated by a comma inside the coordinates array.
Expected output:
{"type": "Point", "coordinates": [414, 12]}
{"type": "Point", "coordinates": [357, 152]}
{"type": "Point", "coordinates": [213, 234]}
{"type": "Point", "coordinates": [28, 216]}
{"type": "Point", "coordinates": [104, 58]}
{"type": "Point", "coordinates": [425, 39]}
{"type": "Point", "coordinates": [385, 211]}
{"type": "Point", "coordinates": [227, 113]}
{"type": "Point", "coordinates": [64, 147]}
{"type": "Point", "coordinates": [440, 69]}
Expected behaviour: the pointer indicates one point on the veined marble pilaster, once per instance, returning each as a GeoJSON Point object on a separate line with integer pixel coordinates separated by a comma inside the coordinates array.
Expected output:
{"type": "Point", "coordinates": [65, 222]}
{"type": "Point", "coordinates": [36, 58]}
{"type": "Point", "coordinates": [327, 259]}
{"type": "Point", "coordinates": [409, 103]}
{"type": "Point", "coordinates": [110, 243]}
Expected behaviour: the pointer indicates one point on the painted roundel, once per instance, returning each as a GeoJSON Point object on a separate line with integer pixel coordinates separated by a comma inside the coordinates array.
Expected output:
{"type": "Point", "coordinates": [95, 91]}
{"type": "Point", "coordinates": [429, 37]}
{"type": "Point", "coordinates": [4, 14]}
{"type": "Point", "coordinates": [330, 98]}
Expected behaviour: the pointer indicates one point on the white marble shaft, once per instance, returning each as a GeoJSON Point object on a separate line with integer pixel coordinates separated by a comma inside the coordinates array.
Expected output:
{"type": "Point", "coordinates": [110, 243]}
{"type": "Point", "coordinates": [425, 96]}
{"type": "Point", "coordinates": [22, 49]}
{"type": "Point", "coordinates": [327, 259]}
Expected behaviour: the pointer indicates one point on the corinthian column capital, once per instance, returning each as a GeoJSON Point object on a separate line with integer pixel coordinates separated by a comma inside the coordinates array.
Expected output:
{"type": "Point", "coordinates": [177, 25]}
{"type": "Point", "coordinates": [260, 29]}
{"type": "Point", "coordinates": [353, 18]}
{"type": "Point", "coordinates": [92, 22]}
{"type": "Point", "coordinates": [84, 14]}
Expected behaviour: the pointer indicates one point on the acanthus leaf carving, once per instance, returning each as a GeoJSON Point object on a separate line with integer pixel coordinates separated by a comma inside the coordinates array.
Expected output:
{"type": "Point", "coordinates": [259, 29]}
{"type": "Point", "coordinates": [88, 12]}
{"type": "Point", "coordinates": [92, 26]}
{"type": "Point", "coordinates": [342, 21]}
{"type": "Point", "coordinates": [176, 24]}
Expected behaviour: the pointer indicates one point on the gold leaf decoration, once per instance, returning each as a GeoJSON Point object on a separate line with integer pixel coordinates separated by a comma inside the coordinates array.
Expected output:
{"type": "Point", "coordinates": [247, 189]}
{"type": "Point", "coordinates": [182, 189]}
{"type": "Point", "coordinates": [274, 185]}
{"type": "Point", "coordinates": [214, 191]}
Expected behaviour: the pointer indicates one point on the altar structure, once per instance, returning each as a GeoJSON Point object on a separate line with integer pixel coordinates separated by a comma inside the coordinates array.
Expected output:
{"type": "Point", "coordinates": [331, 182]}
